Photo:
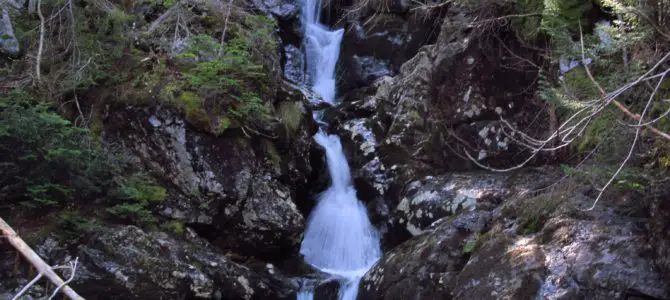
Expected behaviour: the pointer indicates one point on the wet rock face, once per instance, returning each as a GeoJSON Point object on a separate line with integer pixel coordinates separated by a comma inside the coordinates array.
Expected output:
{"type": "Point", "coordinates": [126, 262]}
{"type": "Point", "coordinates": [240, 191]}
{"type": "Point", "coordinates": [294, 64]}
{"type": "Point", "coordinates": [268, 219]}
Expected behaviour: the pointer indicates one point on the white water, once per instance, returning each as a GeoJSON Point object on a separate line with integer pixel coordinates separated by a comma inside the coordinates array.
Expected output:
{"type": "Point", "coordinates": [339, 238]}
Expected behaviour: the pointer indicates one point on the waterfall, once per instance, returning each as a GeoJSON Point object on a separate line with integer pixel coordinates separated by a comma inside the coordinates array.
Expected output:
{"type": "Point", "coordinates": [339, 239]}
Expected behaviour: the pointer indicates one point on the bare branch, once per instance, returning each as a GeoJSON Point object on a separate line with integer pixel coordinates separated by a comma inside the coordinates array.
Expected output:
{"type": "Point", "coordinates": [27, 286]}
{"type": "Point", "coordinates": [156, 23]}
{"type": "Point", "coordinates": [630, 152]}
{"type": "Point", "coordinates": [35, 260]}
{"type": "Point", "coordinates": [73, 271]}
{"type": "Point", "coordinates": [225, 27]}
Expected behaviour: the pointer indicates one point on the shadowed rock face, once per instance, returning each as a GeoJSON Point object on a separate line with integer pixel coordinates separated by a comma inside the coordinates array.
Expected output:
{"type": "Point", "coordinates": [377, 44]}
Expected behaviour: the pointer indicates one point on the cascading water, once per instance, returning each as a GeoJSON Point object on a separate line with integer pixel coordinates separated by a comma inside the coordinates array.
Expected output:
{"type": "Point", "coordinates": [339, 240]}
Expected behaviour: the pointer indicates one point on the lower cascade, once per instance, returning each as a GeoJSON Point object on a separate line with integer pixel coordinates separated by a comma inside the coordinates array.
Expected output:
{"type": "Point", "coordinates": [339, 239]}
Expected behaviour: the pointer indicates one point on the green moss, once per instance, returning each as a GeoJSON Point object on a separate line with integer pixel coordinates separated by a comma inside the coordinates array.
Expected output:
{"type": "Point", "coordinates": [290, 114]}
{"type": "Point", "coordinates": [599, 132]}
{"type": "Point", "coordinates": [470, 244]}
{"type": "Point", "coordinates": [272, 153]}
{"type": "Point", "coordinates": [197, 265]}
{"type": "Point", "coordinates": [189, 101]}
{"type": "Point", "coordinates": [72, 225]}
{"type": "Point", "coordinates": [141, 188]}
{"type": "Point", "coordinates": [629, 179]}
{"type": "Point", "coordinates": [222, 124]}
{"type": "Point", "coordinates": [531, 225]}
{"type": "Point", "coordinates": [209, 21]}
{"type": "Point", "coordinates": [176, 227]}
{"type": "Point", "coordinates": [191, 104]}
{"type": "Point", "coordinates": [533, 212]}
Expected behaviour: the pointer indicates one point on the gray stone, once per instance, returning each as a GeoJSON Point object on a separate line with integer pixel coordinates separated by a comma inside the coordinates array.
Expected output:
{"type": "Point", "coordinates": [283, 9]}
{"type": "Point", "coordinates": [294, 68]}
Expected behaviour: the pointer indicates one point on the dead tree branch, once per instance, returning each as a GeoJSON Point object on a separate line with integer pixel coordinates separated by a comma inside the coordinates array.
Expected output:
{"type": "Point", "coordinates": [36, 261]}
{"type": "Point", "coordinates": [578, 122]}
{"type": "Point", "coordinates": [225, 27]}
{"type": "Point", "coordinates": [41, 44]}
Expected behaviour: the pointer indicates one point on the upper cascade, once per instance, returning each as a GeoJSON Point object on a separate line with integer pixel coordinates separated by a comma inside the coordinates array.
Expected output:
{"type": "Point", "coordinates": [322, 49]}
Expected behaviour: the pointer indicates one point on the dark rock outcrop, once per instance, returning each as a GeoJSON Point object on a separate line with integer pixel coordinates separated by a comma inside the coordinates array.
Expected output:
{"type": "Point", "coordinates": [239, 191]}
{"type": "Point", "coordinates": [435, 197]}
{"type": "Point", "coordinates": [377, 44]}
{"type": "Point", "coordinates": [443, 104]}
{"type": "Point", "coordinates": [125, 262]}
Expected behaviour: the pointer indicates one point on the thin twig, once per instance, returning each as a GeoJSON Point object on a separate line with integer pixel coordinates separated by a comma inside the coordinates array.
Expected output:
{"type": "Point", "coordinates": [28, 286]}
{"type": "Point", "coordinates": [630, 152]}
{"type": "Point", "coordinates": [73, 272]}
{"type": "Point", "coordinates": [225, 27]}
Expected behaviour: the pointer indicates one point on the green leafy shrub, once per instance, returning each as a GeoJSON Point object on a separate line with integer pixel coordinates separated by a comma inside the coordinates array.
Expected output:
{"type": "Point", "coordinates": [470, 244]}
{"type": "Point", "coordinates": [47, 164]}
{"type": "Point", "coordinates": [176, 227]}
{"type": "Point", "coordinates": [72, 225]}
{"type": "Point", "coordinates": [290, 114]}
{"type": "Point", "coordinates": [229, 87]}
{"type": "Point", "coordinates": [45, 160]}
{"type": "Point", "coordinates": [139, 192]}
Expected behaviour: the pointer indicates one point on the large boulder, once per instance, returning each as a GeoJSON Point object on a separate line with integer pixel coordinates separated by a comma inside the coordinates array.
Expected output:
{"type": "Point", "coordinates": [125, 262]}
{"type": "Point", "coordinates": [424, 267]}
{"type": "Point", "coordinates": [435, 197]}
{"type": "Point", "coordinates": [536, 244]}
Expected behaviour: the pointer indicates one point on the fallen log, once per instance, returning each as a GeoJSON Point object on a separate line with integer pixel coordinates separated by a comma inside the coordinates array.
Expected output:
{"type": "Point", "coordinates": [39, 264]}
